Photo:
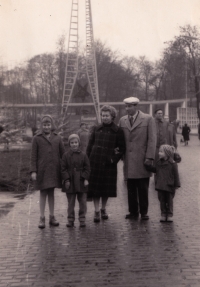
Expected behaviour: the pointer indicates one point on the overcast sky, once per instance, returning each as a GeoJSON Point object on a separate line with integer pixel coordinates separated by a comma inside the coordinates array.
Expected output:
{"type": "Point", "coordinates": [134, 27]}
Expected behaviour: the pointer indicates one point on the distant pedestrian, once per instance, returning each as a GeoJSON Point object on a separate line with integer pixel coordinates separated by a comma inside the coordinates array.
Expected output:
{"type": "Point", "coordinates": [186, 133]}
{"type": "Point", "coordinates": [166, 181]}
{"type": "Point", "coordinates": [105, 148]}
{"type": "Point", "coordinates": [46, 154]}
{"type": "Point", "coordinates": [75, 174]}
{"type": "Point", "coordinates": [83, 134]}
{"type": "Point", "coordinates": [165, 132]}
{"type": "Point", "coordinates": [199, 131]}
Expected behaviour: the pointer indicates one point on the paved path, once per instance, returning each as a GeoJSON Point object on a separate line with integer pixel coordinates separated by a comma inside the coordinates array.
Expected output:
{"type": "Point", "coordinates": [116, 252]}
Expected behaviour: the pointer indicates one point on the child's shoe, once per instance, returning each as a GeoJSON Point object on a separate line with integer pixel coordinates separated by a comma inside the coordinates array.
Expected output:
{"type": "Point", "coordinates": [82, 224]}
{"type": "Point", "coordinates": [97, 216]}
{"type": "Point", "coordinates": [42, 222]}
{"type": "Point", "coordinates": [170, 219]}
{"type": "Point", "coordinates": [104, 214]}
{"type": "Point", "coordinates": [163, 218]}
{"type": "Point", "coordinates": [70, 224]}
{"type": "Point", "coordinates": [53, 221]}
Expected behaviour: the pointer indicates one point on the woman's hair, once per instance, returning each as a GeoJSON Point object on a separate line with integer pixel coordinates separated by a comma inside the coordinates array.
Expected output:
{"type": "Point", "coordinates": [48, 119]}
{"type": "Point", "coordinates": [112, 110]}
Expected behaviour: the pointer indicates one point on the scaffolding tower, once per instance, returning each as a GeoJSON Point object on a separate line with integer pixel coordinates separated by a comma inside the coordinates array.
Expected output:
{"type": "Point", "coordinates": [72, 61]}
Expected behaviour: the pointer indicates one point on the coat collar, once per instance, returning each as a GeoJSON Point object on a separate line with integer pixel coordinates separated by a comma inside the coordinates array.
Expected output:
{"type": "Point", "coordinates": [39, 133]}
{"type": "Point", "coordinates": [72, 152]}
{"type": "Point", "coordinates": [138, 120]}
{"type": "Point", "coordinates": [114, 127]}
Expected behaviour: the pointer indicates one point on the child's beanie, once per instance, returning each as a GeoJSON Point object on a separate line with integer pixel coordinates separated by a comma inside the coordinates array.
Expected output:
{"type": "Point", "coordinates": [47, 119]}
{"type": "Point", "coordinates": [168, 150]}
{"type": "Point", "coordinates": [73, 136]}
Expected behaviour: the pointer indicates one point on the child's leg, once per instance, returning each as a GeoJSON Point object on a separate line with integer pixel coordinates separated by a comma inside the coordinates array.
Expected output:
{"type": "Point", "coordinates": [71, 197]}
{"type": "Point", "coordinates": [162, 199]}
{"type": "Point", "coordinates": [51, 200]}
{"type": "Point", "coordinates": [43, 195]}
{"type": "Point", "coordinates": [170, 197]}
{"type": "Point", "coordinates": [96, 203]}
{"type": "Point", "coordinates": [82, 199]}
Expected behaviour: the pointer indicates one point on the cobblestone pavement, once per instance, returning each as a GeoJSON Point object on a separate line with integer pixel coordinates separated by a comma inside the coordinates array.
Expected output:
{"type": "Point", "coordinates": [116, 252]}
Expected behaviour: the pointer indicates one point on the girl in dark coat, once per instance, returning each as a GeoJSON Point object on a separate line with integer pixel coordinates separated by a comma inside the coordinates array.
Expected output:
{"type": "Point", "coordinates": [186, 133]}
{"type": "Point", "coordinates": [46, 154]}
{"type": "Point", "coordinates": [166, 181]}
{"type": "Point", "coordinates": [75, 174]}
{"type": "Point", "coordinates": [105, 148]}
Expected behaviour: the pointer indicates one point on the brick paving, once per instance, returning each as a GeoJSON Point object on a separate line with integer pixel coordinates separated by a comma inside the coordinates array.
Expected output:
{"type": "Point", "coordinates": [116, 252]}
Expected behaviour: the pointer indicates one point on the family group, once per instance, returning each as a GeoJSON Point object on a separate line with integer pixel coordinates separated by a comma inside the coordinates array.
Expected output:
{"type": "Point", "coordinates": [145, 144]}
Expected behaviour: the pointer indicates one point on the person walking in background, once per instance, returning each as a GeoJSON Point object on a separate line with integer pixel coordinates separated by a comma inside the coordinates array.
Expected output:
{"type": "Point", "coordinates": [166, 181]}
{"type": "Point", "coordinates": [83, 134]}
{"type": "Point", "coordinates": [199, 131]}
{"type": "Point", "coordinates": [75, 173]}
{"type": "Point", "coordinates": [186, 133]}
{"type": "Point", "coordinates": [140, 135]}
{"type": "Point", "coordinates": [46, 154]}
{"type": "Point", "coordinates": [165, 131]}
{"type": "Point", "coordinates": [105, 148]}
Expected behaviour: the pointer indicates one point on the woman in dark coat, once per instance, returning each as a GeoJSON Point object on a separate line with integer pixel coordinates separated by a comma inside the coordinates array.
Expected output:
{"type": "Point", "coordinates": [186, 133]}
{"type": "Point", "coordinates": [105, 148]}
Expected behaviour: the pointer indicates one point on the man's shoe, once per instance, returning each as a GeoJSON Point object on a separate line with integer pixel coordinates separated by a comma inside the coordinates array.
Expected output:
{"type": "Point", "coordinates": [104, 215]}
{"type": "Point", "coordinates": [97, 216]}
{"type": "Point", "coordinates": [169, 219]}
{"type": "Point", "coordinates": [144, 217]}
{"type": "Point", "coordinates": [82, 224]}
{"type": "Point", "coordinates": [131, 216]}
{"type": "Point", "coordinates": [42, 222]}
{"type": "Point", "coordinates": [163, 219]}
{"type": "Point", "coordinates": [70, 224]}
{"type": "Point", "coordinates": [53, 221]}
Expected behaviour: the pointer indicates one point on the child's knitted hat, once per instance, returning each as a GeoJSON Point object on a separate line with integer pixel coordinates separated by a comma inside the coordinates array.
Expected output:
{"type": "Point", "coordinates": [168, 150]}
{"type": "Point", "coordinates": [47, 119]}
{"type": "Point", "coordinates": [73, 136]}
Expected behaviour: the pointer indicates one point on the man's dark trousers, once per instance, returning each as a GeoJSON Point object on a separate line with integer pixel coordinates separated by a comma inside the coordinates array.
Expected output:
{"type": "Point", "coordinates": [138, 195]}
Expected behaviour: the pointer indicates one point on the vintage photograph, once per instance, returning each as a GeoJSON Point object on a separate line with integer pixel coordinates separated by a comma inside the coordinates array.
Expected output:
{"type": "Point", "coordinates": [100, 143]}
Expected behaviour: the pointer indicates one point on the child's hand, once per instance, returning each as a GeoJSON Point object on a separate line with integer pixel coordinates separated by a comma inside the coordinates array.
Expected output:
{"type": "Point", "coordinates": [86, 183]}
{"type": "Point", "coordinates": [67, 184]}
{"type": "Point", "coordinates": [33, 175]}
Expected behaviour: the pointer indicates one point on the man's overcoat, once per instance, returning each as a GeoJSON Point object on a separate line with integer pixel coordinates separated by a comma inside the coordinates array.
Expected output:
{"type": "Point", "coordinates": [103, 142]}
{"type": "Point", "coordinates": [46, 155]}
{"type": "Point", "coordinates": [140, 144]}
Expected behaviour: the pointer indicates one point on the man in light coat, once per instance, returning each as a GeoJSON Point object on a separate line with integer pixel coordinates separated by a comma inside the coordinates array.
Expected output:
{"type": "Point", "coordinates": [140, 136]}
{"type": "Point", "coordinates": [165, 132]}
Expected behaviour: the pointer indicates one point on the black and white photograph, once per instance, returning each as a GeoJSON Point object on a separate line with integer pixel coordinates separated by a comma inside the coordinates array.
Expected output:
{"type": "Point", "coordinates": [100, 143]}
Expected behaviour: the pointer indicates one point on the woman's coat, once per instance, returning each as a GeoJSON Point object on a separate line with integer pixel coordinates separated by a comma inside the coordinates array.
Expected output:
{"type": "Point", "coordinates": [46, 155]}
{"type": "Point", "coordinates": [140, 144]}
{"type": "Point", "coordinates": [105, 148]}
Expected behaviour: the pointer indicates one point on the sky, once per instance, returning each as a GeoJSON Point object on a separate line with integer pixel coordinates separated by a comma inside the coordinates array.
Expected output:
{"type": "Point", "coordinates": [133, 27]}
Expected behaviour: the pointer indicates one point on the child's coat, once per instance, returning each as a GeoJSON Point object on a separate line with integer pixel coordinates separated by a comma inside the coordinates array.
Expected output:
{"type": "Point", "coordinates": [75, 167]}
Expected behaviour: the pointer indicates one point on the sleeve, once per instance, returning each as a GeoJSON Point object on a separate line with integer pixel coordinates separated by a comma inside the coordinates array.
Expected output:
{"type": "Point", "coordinates": [61, 148]}
{"type": "Point", "coordinates": [176, 176]}
{"type": "Point", "coordinates": [65, 168]}
{"type": "Point", "coordinates": [151, 140]}
{"type": "Point", "coordinates": [91, 142]}
{"type": "Point", "coordinates": [34, 155]}
{"type": "Point", "coordinates": [121, 145]}
{"type": "Point", "coordinates": [86, 168]}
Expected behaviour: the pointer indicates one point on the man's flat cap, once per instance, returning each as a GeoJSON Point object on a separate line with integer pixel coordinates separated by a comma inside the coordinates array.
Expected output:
{"type": "Point", "coordinates": [131, 100]}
